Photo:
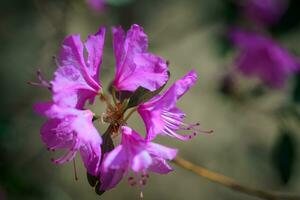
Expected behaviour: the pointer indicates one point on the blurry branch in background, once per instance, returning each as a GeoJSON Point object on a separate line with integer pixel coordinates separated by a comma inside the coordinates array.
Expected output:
{"type": "Point", "coordinates": [232, 184]}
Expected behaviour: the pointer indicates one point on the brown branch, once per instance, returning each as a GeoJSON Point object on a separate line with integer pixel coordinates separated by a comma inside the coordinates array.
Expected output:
{"type": "Point", "coordinates": [232, 184]}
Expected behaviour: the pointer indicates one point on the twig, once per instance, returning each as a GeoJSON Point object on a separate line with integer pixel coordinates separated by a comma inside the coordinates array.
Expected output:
{"type": "Point", "coordinates": [232, 184]}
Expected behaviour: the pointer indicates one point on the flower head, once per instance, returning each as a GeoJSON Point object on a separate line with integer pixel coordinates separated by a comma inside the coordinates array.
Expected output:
{"type": "Point", "coordinates": [262, 57]}
{"type": "Point", "coordinates": [77, 78]}
{"type": "Point", "coordinates": [136, 155]}
{"type": "Point", "coordinates": [135, 66]}
{"type": "Point", "coordinates": [161, 116]}
{"type": "Point", "coordinates": [139, 75]}
{"type": "Point", "coordinates": [265, 12]}
{"type": "Point", "coordinates": [72, 130]}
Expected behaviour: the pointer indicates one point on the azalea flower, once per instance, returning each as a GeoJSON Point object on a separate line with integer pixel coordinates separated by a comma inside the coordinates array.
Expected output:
{"type": "Point", "coordinates": [97, 5]}
{"type": "Point", "coordinates": [77, 79]}
{"type": "Point", "coordinates": [70, 125]}
{"type": "Point", "coordinates": [265, 12]}
{"type": "Point", "coordinates": [262, 57]}
{"type": "Point", "coordinates": [135, 66]}
{"type": "Point", "coordinates": [161, 116]}
{"type": "Point", "coordinates": [72, 130]}
{"type": "Point", "coordinates": [136, 155]}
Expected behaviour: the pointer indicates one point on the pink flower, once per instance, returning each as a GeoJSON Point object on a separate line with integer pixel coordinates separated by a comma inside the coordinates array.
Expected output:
{"type": "Point", "coordinates": [136, 155]}
{"type": "Point", "coordinates": [77, 79]}
{"type": "Point", "coordinates": [262, 57]}
{"type": "Point", "coordinates": [135, 66]}
{"type": "Point", "coordinates": [72, 130]}
{"type": "Point", "coordinates": [265, 12]}
{"type": "Point", "coordinates": [97, 5]}
{"type": "Point", "coordinates": [161, 116]}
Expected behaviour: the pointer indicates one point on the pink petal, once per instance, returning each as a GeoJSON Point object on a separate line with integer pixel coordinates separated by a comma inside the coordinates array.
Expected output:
{"type": "Point", "coordinates": [109, 179]}
{"type": "Point", "coordinates": [161, 151]}
{"type": "Point", "coordinates": [160, 166]}
{"type": "Point", "coordinates": [94, 46]}
{"type": "Point", "coordinates": [141, 161]}
{"type": "Point", "coordinates": [116, 159]}
{"type": "Point", "coordinates": [75, 81]}
{"type": "Point", "coordinates": [136, 67]}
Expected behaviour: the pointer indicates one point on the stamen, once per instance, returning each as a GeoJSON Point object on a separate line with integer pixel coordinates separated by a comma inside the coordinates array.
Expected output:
{"type": "Point", "coordinates": [42, 81]}
{"type": "Point", "coordinates": [70, 155]}
{"type": "Point", "coordinates": [174, 121]}
{"type": "Point", "coordinates": [55, 61]}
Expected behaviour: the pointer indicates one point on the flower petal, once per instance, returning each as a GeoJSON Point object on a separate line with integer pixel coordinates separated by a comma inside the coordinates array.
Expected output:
{"type": "Point", "coordinates": [160, 166]}
{"type": "Point", "coordinates": [161, 151]}
{"type": "Point", "coordinates": [94, 46]}
{"type": "Point", "coordinates": [116, 159]}
{"type": "Point", "coordinates": [134, 65]}
{"type": "Point", "coordinates": [74, 82]}
{"type": "Point", "coordinates": [109, 179]}
{"type": "Point", "coordinates": [141, 161]}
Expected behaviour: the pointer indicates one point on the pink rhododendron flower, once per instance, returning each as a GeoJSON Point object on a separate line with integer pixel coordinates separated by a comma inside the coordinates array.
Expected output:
{"type": "Point", "coordinates": [262, 57]}
{"type": "Point", "coordinates": [136, 155]}
{"type": "Point", "coordinates": [77, 79]}
{"type": "Point", "coordinates": [135, 66]}
{"type": "Point", "coordinates": [72, 130]}
{"type": "Point", "coordinates": [70, 126]}
{"type": "Point", "coordinates": [97, 5]}
{"type": "Point", "coordinates": [161, 116]}
{"type": "Point", "coordinates": [265, 12]}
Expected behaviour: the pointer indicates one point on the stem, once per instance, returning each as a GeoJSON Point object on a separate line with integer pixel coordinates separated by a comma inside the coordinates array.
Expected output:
{"type": "Point", "coordinates": [114, 95]}
{"type": "Point", "coordinates": [231, 183]}
{"type": "Point", "coordinates": [129, 114]}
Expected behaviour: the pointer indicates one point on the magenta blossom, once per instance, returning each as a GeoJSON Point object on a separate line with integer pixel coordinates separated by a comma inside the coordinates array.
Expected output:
{"type": "Point", "coordinates": [262, 57]}
{"type": "Point", "coordinates": [72, 130]}
{"type": "Point", "coordinates": [265, 12]}
{"type": "Point", "coordinates": [161, 116]}
{"type": "Point", "coordinates": [97, 5]}
{"type": "Point", "coordinates": [139, 73]}
{"type": "Point", "coordinates": [136, 155]}
{"type": "Point", "coordinates": [135, 66]}
{"type": "Point", "coordinates": [77, 79]}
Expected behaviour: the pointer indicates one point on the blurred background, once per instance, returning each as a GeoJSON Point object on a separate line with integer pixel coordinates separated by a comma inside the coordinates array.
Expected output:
{"type": "Point", "coordinates": [256, 128]}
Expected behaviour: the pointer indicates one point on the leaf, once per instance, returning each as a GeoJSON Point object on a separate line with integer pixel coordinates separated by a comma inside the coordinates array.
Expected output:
{"type": "Point", "coordinates": [142, 95]}
{"type": "Point", "coordinates": [108, 144]}
{"type": "Point", "coordinates": [120, 95]}
{"type": "Point", "coordinates": [284, 155]}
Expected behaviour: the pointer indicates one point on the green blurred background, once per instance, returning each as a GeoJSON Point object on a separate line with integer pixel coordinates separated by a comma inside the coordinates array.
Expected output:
{"type": "Point", "coordinates": [246, 139]}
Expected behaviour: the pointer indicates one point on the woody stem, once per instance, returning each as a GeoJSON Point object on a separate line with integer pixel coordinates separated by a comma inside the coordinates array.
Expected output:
{"type": "Point", "coordinates": [231, 183]}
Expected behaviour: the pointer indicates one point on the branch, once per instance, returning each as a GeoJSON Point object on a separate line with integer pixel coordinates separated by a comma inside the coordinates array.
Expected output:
{"type": "Point", "coordinates": [232, 184]}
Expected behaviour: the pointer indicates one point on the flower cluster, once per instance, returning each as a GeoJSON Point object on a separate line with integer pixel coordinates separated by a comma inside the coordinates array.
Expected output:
{"type": "Point", "coordinates": [262, 57]}
{"type": "Point", "coordinates": [258, 54]}
{"type": "Point", "coordinates": [139, 77]}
